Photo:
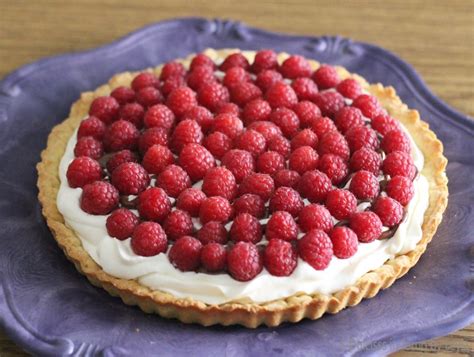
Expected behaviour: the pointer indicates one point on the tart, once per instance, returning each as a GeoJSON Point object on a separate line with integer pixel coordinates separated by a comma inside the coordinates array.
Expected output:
{"type": "Point", "coordinates": [187, 188]}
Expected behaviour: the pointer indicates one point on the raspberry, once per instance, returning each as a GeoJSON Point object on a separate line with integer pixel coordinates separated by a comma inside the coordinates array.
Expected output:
{"type": "Point", "coordinates": [256, 110]}
{"type": "Point", "coordinates": [119, 158]}
{"type": "Point", "coordinates": [91, 126]}
{"type": "Point", "coordinates": [384, 123]}
{"type": "Point", "coordinates": [341, 203]}
{"type": "Point", "coordinates": [281, 94]}
{"type": "Point", "coordinates": [305, 88]}
{"type": "Point", "coordinates": [218, 144]}
{"type": "Point", "coordinates": [322, 126]}
{"type": "Point", "coordinates": [270, 162]}
{"type": "Point", "coordinates": [366, 225]}
{"type": "Point", "coordinates": [286, 199]}
{"type": "Point", "coordinates": [266, 128]}
{"type": "Point", "coordinates": [334, 167]}
{"type": "Point", "coordinates": [246, 228]}
{"type": "Point", "coordinates": [130, 178]}
{"type": "Point", "coordinates": [364, 185]}
{"type": "Point", "coordinates": [349, 88]}
{"type": "Point", "coordinates": [395, 140]}
{"type": "Point", "coordinates": [264, 59]}
{"type": "Point", "coordinates": [326, 77]}
{"type": "Point", "coordinates": [99, 198]}
{"type": "Point", "coordinates": [368, 105]}
{"type": "Point", "coordinates": [398, 163]}
{"type": "Point", "coordinates": [190, 201]}
{"type": "Point", "coordinates": [280, 257]}
{"type": "Point", "coordinates": [212, 232]}
{"type": "Point", "coordinates": [229, 124]}
{"type": "Point", "coordinates": [251, 204]}
{"type": "Point", "coordinates": [315, 248]}
{"type": "Point", "coordinates": [258, 184]}
{"type": "Point", "coordinates": [348, 117]}
{"type": "Point", "coordinates": [344, 242]}
{"type": "Point", "coordinates": [82, 171]}
{"type": "Point", "coordinates": [366, 159]}
{"type": "Point", "coordinates": [389, 211]}
{"type": "Point", "coordinates": [104, 108]}
{"type": "Point", "coordinates": [90, 147]}
{"type": "Point", "coordinates": [401, 189]}
{"type": "Point", "coordinates": [171, 84]}
{"type": "Point", "coordinates": [174, 180]}
{"type": "Point", "coordinates": [178, 224]}
{"type": "Point", "coordinates": [235, 76]}
{"type": "Point", "coordinates": [315, 216]}
{"type": "Point", "coordinates": [287, 121]}
{"type": "Point", "coordinates": [149, 239]}
{"type": "Point", "coordinates": [329, 103]}
{"type": "Point", "coordinates": [361, 136]}
{"type": "Point", "coordinates": [152, 137]}
{"type": "Point", "coordinates": [154, 204]}
{"type": "Point", "coordinates": [196, 160]}
{"type": "Point", "coordinates": [121, 223]}
{"type": "Point", "coordinates": [229, 108]}
{"type": "Point", "coordinates": [160, 116]}
{"type": "Point", "coordinates": [303, 159]}
{"type": "Point", "coordinates": [244, 261]}
{"type": "Point", "coordinates": [143, 80]}
{"type": "Point", "coordinates": [123, 95]}
{"type": "Point", "coordinates": [172, 69]}
{"type": "Point", "coordinates": [185, 253]}
{"type": "Point", "coordinates": [244, 92]}
{"type": "Point", "coordinates": [281, 145]}
{"type": "Point", "coordinates": [180, 100]}
{"type": "Point", "coordinates": [334, 143]}
{"type": "Point", "coordinates": [307, 112]}
{"type": "Point", "coordinates": [305, 137]}
{"type": "Point", "coordinates": [186, 132]}
{"type": "Point", "coordinates": [200, 75]}
{"type": "Point", "coordinates": [212, 95]}
{"type": "Point", "coordinates": [267, 78]}
{"type": "Point", "coordinates": [134, 113]}
{"type": "Point", "coordinates": [157, 158]}
{"type": "Point", "coordinates": [288, 178]}
{"type": "Point", "coordinates": [200, 115]}
{"type": "Point", "coordinates": [213, 257]}
{"type": "Point", "coordinates": [215, 208]}
{"type": "Point", "coordinates": [121, 135]}
{"type": "Point", "coordinates": [239, 162]}
{"type": "Point", "coordinates": [234, 60]}
{"type": "Point", "coordinates": [295, 66]}
{"type": "Point", "coordinates": [201, 60]}
{"type": "Point", "coordinates": [219, 181]}
{"type": "Point", "coordinates": [251, 141]}
{"type": "Point", "coordinates": [314, 185]}
{"type": "Point", "coordinates": [281, 225]}
{"type": "Point", "coordinates": [149, 96]}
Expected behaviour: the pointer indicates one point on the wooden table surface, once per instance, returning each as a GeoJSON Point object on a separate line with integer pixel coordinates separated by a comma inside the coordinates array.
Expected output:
{"type": "Point", "coordinates": [436, 37]}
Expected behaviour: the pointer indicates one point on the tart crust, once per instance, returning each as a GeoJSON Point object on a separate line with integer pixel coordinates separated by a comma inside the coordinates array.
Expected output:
{"type": "Point", "coordinates": [273, 313]}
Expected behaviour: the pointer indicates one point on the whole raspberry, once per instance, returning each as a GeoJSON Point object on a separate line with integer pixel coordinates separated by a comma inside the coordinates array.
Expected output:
{"type": "Point", "coordinates": [322, 126]}
{"type": "Point", "coordinates": [329, 103]}
{"type": "Point", "coordinates": [200, 115]}
{"type": "Point", "coordinates": [157, 158]}
{"type": "Point", "coordinates": [174, 180]}
{"type": "Point", "coordinates": [366, 159]}
{"type": "Point", "coordinates": [303, 159]}
{"type": "Point", "coordinates": [219, 181]}
{"type": "Point", "coordinates": [239, 162]}
{"type": "Point", "coordinates": [99, 198]}
{"type": "Point", "coordinates": [143, 80]}
{"type": "Point", "coordinates": [368, 105]}
{"type": "Point", "coordinates": [178, 224]}
{"type": "Point", "coordinates": [246, 228]}
{"type": "Point", "coordinates": [281, 145]}
{"type": "Point", "coordinates": [172, 69]}
{"type": "Point", "coordinates": [295, 66]}
{"type": "Point", "coordinates": [366, 225]}
{"type": "Point", "coordinates": [286, 199]}
{"type": "Point", "coordinates": [349, 88]}
{"type": "Point", "coordinates": [268, 129]}
{"type": "Point", "coordinates": [186, 132]}
{"type": "Point", "coordinates": [314, 185]}
{"type": "Point", "coordinates": [344, 242]}
{"type": "Point", "coordinates": [305, 88]}
{"type": "Point", "coordinates": [281, 94]}
{"type": "Point", "coordinates": [90, 147]}
{"type": "Point", "coordinates": [307, 112]}
{"type": "Point", "coordinates": [334, 167]}
{"type": "Point", "coordinates": [244, 92]}
{"type": "Point", "coordinates": [214, 257]}
{"type": "Point", "coordinates": [389, 211]}
{"type": "Point", "coordinates": [180, 100]}
{"type": "Point", "coordinates": [121, 135]}
{"type": "Point", "coordinates": [149, 239]}
{"type": "Point", "coordinates": [334, 143]}
{"type": "Point", "coordinates": [288, 178]}
{"type": "Point", "coordinates": [287, 121]}
{"type": "Point", "coordinates": [91, 126]}
{"type": "Point", "coordinates": [258, 184]}
{"type": "Point", "coordinates": [228, 108]}
{"type": "Point", "coordinates": [121, 223]}
{"type": "Point", "coordinates": [281, 225]}
{"type": "Point", "coordinates": [251, 204]}
{"type": "Point", "coordinates": [364, 185]}
{"type": "Point", "coordinates": [395, 140]}
{"type": "Point", "coordinates": [401, 189]}
{"type": "Point", "coordinates": [134, 113]}
{"type": "Point", "coordinates": [119, 158]}
{"type": "Point", "coordinates": [218, 144]}
{"type": "Point", "coordinates": [190, 201]}
{"type": "Point", "coordinates": [154, 204]}
{"type": "Point", "coordinates": [270, 162]}
{"type": "Point", "coordinates": [200, 75]}
{"type": "Point", "coordinates": [212, 232]}
{"type": "Point", "coordinates": [305, 137]}
{"type": "Point", "coordinates": [82, 171]}
{"type": "Point", "coordinates": [234, 60]}
{"type": "Point", "coordinates": [201, 60]}
{"type": "Point", "coordinates": [212, 95]}
{"type": "Point", "coordinates": [264, 59]}
{"type": "Point", "coordinates": [123, 95]}
{"type": "Point", "coordinates": [244, 261]}
{"type": "Point", "coordinates": [229, 124]}
{"type": "Point", "coordinates": [151, 137]}
{"type": "Point", "coordinates": [251, 141]}
{"type": "Point", "coordinates": [256, 110]}
{"type": "Point", "coordinates": [235, 76]}
{"type": "Point", "coordinates": [315, 248]}
{"type": "Point", "coordinates": [359, 137]}
{"type": "Point", "coordinates": [130, 178]}
{"type": "Point", "coordinates": [280, 257]}
{"type": "Point", "coordinates": [104, 108]}
{"type": "Point", "coordinates": [341, 203]}
{"type": "Point", "coordinates": [160, 116]}
{"type": "Point", "coordinates": [399, 163]}
{"type": "Point", "coordinates": [348, 117]}
{"type": "Point", "coordinates": [185, 253]}
{"type": "Point", "coordinates": [326, 77]}
{"type": "Point", "coordinates": [267, 78]}
{"type": "Point", "coordinates": [196, 160]}
{"type": "Point", "coordinates": [215, 208]}
{"type": "Point", "coordinates": [149, 96]}
{"type": "Point", "coordinates": [315, 216]}
{"type": "Point", "coordinates": [384, 123]}
{"type": "Point", "coordinates": [171, 84]}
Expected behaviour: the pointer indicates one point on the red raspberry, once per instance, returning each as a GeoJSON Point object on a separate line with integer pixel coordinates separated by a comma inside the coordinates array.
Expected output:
{"type": "Point", "coordinates": [218, 144]}
{"type": "Point", "coordinates": [384, 123]}
{"type": "Point", "coordinates": [235, 76]}
{"type": "Point", "coordinates": [200, 115]}
{"type": "Point", "coordinates": [369, 105]}
{"type": "Point", "coordinates": [246, 228]}
{"type": "Point", "coordinates": [364, 185]}
{"type": "Point", "coordinates": [267, 78]}
{"type": "Point", "coordinates": [399, 163]}
{"type": "Point", "coordinates": [334, 143]}
{"type": "Point", "coordinates": [180, 100]}
{"type": "Point", "coordinates": [395, 140]}
{"type": "Point", "coordinates": [295, 66]}
{"type": "Point", "coordinates": [341, 203]}
{"type": "Point", "coordinates": [154, 204]}
{"type": "Point", "coordinates": [149, 96]}
{"type": "Point", "coordinates": [123, 95]}
{"type": "Point", "coordinates": [196, 160]}
{"type": "Point", "coordinates": [178, 224]}
{"type": "Point", "coordinates": [348, 117]}
{"type": "Point", "coordinates": [172, 69]}
{"type": "Point", "coordinates": [329, 103]}
{"type": "Point", "coordinates": [130, 178]}
{"type": "Point", "coordinates": [152, 136]}
{"type": "Point", "coordinates": [334, 167]}
{"type": "Point", "coordinates": [326, 77]}
{"type": "Point", "coordinates": [307, 112]}
{"type": "Point", "coordinates": [212, 95]}
{"type": "Point", "coordinates": [234, 60]}
{"type": "Point", "coordinates": [90, 147]}
{"type": "Point", "coordinates": [305, 137]}
{"type": "Point", "coordinates": [174, 180]}
{"type": "Point", "coordinates": [239, 162]}
{"type": "Point", "coordinates": [244, 261]}
{"type": "Point", "coordinates": [270, 162]}
{"type": "Point", "coordinates": [286, 199]}
{"type": "Point", "coordinates": [149, 239]}
{"type": "Point", "coordinates": [322, 126]}
{"type": "Point", "coordinates": [366, 225]}
{"type": "Point", "coordinates": [134, 113]}
{"type": "Point", "coordinates": [215, 208]}
{"type": "Point", "coordinates": [91, 126]}
{"type": "Point", "coordinates": [186, 132]}
{"type": "Point", "coordinates": [121, 135]}
{"type": "Point", "coordinates": [401, 189]}
{"type": "Point", "coordinates": [280, 257]}
{"type": "Point", "coordinates": [281, 225]}
{"type": "Point", "coordinates": [281, 94]}
{"type": "Point", "coordinates": [344, 242]}
{"type": "Point", "coordinates": [171, 84]}
{"type": "Point", "coordinates": [105, 108]}
{"type": "Point", "coordinates": [200, 75]}
{"type": "Point", "coordinates": [99, 198]}
{"type": "Point", "coordinates": [287, 121]}
{"type": "Point", "coordinates": [228, 108]}
{"type": "Point", "coordinates": [281, 145]}
{"type": "Point", "coordinates": [251, 204]}
{"type": "Point", "coordinates": [185, 253]}
{"type": "Point", "coordinates": [315, 216]}
{"type": "Point", "coordinates": [303, 159]}
{"type": "Point", "coordinates": [119, 158]}
{"type": "Point", "coordinates": [349, 88]}
{"type": "Point", "coordinates": [157, 158]}
{"type": "Point", "coordinates": [160, 116]}
{"type": "Point", "coordinates": [361, 137]}
{"type": "Point", "coordinates": [264, 59]}
{"type": "Point", "coordinates": [305, 88]}
{"type": "Point", "coordinates": [201, 60]}
{"type": "Point", "coordinates": [366, 159]}
{"type": "Point", "coordinates": [190, 201]}
{"type": "Point", "coordinates": [212, 232]}
{"type": "Point", "coordinates": [314, 185]}
{"type": "Point", "coordinates": [266, 128]}
{"type": "Point", "coordinates": [219, 181]}
{"type": "Point", "coordinates": [143, 80]}
{"type": "Point", "coordinates": [288, 178]}
{"type": "Point", "coordinates": [244, 92]}
{"type": "Point", "coordinates": [214, 257]}
{"type": "Point", "coordinates": [229, 124]}
{"type": "Point", "coordinates": [82, 171]}
{"type": "Point", "coordinates": [121, 223]}
{"type": "Point", "coordinates": [258, 184]}
{"type": "Point", "coordinates": [251, 141]}
{"type": "Point", "coordinates": [389, 211]}
{"type": "Point", "coordinates": [256, 110]}
{"type": "Point", "coordinates": [315, 248]}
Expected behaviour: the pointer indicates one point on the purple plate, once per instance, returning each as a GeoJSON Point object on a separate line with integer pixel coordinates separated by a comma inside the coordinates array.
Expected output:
{"type": "Point", "coordinates": [50, 309]}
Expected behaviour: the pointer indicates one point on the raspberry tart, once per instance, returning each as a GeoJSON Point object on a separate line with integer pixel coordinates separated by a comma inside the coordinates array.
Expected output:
{"type": "Point", "coordinates": [186, 188]}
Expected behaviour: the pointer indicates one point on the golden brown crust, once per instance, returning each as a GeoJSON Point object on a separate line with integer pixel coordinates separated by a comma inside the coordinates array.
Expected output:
{"type": "Point", "coordinates": [293, 308]}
